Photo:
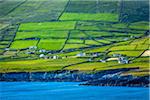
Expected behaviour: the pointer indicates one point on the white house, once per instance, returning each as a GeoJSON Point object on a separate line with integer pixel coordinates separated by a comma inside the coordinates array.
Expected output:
{"type": "Point", "coordinates": [123, 60]}
{"type": "Point", "coordinates": [41, 55]}
{"type": "Point", "coordinates": [55, 57]}
{"type": "Point", "coordinates": [103, 61]}
{"type": "Point", "coordinates": [32, 48]}
{"type": "Point", "coordinates": [7, 49]}
{"type": "Point", "coordinates": [81, 55]}
{"type": "Point", "coordinates": [42, 51]}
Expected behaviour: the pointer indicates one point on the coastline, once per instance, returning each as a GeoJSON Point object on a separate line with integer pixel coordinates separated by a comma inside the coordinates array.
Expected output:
{"type": "Point", "coordinates": [103, 78]}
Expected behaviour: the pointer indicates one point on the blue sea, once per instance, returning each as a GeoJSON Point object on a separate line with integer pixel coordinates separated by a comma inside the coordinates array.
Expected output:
{"type": "Point", "coordinates": [68, 91]}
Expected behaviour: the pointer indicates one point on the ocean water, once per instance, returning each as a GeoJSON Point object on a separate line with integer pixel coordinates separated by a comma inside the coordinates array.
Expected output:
{"type": "Point", "coordinates": [68, 91]}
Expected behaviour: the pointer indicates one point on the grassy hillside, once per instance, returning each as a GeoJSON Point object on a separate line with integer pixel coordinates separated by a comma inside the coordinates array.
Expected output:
{"type": "Point", "coordinates": [79, 35]}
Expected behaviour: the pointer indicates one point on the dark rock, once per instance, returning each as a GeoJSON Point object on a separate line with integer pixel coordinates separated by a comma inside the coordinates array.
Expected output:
{"type": "Point", "coordinates": [103, 78]}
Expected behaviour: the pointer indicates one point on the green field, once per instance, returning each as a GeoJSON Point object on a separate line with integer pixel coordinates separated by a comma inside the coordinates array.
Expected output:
{"type": "Point", "coordinates": [41, 34]}
{"type": "Point", "coordinates": [94, 17]}
{"type": "Point", "coordinates": [22, 44]}
{"type": "Point", "coordinates": [47, 26]}
{"type": "Point", "coordinates": [51, 44]}
{"type": "Point", "coordinates": [73, 35]}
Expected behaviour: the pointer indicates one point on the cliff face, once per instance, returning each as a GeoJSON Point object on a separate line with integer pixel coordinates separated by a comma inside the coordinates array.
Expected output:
{"type": "Point", "coordinates": [103, 78]}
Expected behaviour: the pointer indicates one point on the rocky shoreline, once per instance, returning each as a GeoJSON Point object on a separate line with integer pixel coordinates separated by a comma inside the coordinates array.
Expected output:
{"type": "Point", "coordinates": [103, 78]}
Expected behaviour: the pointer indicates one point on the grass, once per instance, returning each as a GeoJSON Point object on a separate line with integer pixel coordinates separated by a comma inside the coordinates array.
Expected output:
{"type": "Point", "coordinates": [143, 25]}
{"type": "Point", "coordinates": [98, 34]}
{"type": "Point", "coordinates": [34, 10]}
{"type": "Point", "coordinates": [3, 46]}
{"type": "Point", "coordinates": [36, 65]}
{"type": "Point", "coordinates": [142, 47]}
{"type": "Point", "coordinates": [119, 25]}
{"type": "Point", "coordinates": [92, 42]}
{"type": "Point", "coordinates": [66, 25]}
{"type": "Point", "coordinates": [99, 49]}
{"type": "Point", "coordinates": [119, 48]}
{"type": "Point", "coordinates": [91, 66]}
{"type": "Point", "coordinates": [127, 53]}
{"type": "Point", "coordinates": [42, 34]}
{"type": "Point", "coordinates": [104, 41]}
{"type": "Point", "coordinates": [88, 27]}
{"type": "Point", "coordinates": [140, 41]}
{"type": "Point", "coordinates": [75, 41]}
{"type": "Point", "coordinates": [69, 54]}
{"type": "Point", "coordinates": [81, 23]}
{"type": "Point", "coordinates": [73, 46]}
{"type": "Point", "coordinates": [22, 44]}
{"type": "Point", "coordinates": [51, 44]}
{"type": "Point", "coordinates": [10, 5]}
{"type": "Point", "coordinates": [94, 17]}
{"type": "Point", "coordinates": [77, 34]}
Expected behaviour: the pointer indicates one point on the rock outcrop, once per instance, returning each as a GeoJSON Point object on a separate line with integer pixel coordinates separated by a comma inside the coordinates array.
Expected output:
{"type": "Point", "coordinates": [102, 78]}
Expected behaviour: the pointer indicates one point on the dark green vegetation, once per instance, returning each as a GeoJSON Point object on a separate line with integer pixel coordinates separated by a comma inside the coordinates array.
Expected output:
{"type": "Point", "coordinates": [84, 35]}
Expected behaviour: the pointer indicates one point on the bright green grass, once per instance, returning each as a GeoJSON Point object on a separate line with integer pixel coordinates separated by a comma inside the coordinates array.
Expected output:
{"type": "Point", "coordinates": [42, 34]}
{"type": "Point", "coordinates": [140, 25]}
{"type": "Point", "coordinates": [92, 42]}
{"type": "Point", "coordinates": [98, 34]}
{"type": "Point", "coordinates": [71, 46]}
{"type": "Point", "coordinates": [127, 53]}
{"type": "Point", "coordinates": [119, 25]}
{"type": "Point", "coordinates": [85, 16]}
{"type": "Point", "coordinates": [66, 25]}
{"type": "Point", "coordinates": [58, 34]}
{"type": "Point", "coordinates": [142, 47]}
{"type": "Point", "coordinates": [141, 59]}
{"type": "Point", "coordinates": [121, 34]}
{"type": "Point", "coordinates": [3, 46]}
{"type": "Point", "coordinates": [104, 41]}
{"type": "Point", "coordinates": [75, 41]}
{"type": "Point", "coordinates": [77, 34]}
{"type": "Point", "coordinates": [116, 39]}
{"type": "Point", "coordinates": [92, 66]}
{"type": "Point", "coordinates": [100, 49]}
{"type": "Point", "coordinates": [36, 65]}
{"type": "Point", "coordinates": [141, 65]}
{"type": "Point", "coordinates": [140, 41]}
{"type": "Point", "coordinates": [51, 44]}
{"type": "Point", "coordinates": [88, 27]}
{"type": "Point", "coordinates": [21, 44]}
{"type": "Point", "coordinates": [124, 42]}
{"type": "Point", "coordinates": [134, 34]}
{"type": "Point", "coordinates": [126, 47]}
{"type": "Point", "coordinates": [147, 41]}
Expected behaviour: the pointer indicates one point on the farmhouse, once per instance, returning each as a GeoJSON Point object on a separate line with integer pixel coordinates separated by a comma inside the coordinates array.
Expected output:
{"type": "Point", "coordinates": [81, 55]}
{"type": "Point", "coordinates": [42, 51]}
{"type": "Point", "coordinates": [32, 47]}
{"type": "Point", "coordinates": [123, 60]}
{"type": "Point", "coordinates": [116, 55]}
{"type": "Point", "coordinates": [42, 56]}
{"type": "Point", "coordinates": [102, 60]}
{"type": "Point", "coordinates": [7, 49]}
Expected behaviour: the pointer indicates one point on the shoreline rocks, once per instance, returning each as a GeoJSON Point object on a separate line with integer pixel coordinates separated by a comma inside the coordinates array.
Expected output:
{"type": "Point", "coordinates": [104, 78]}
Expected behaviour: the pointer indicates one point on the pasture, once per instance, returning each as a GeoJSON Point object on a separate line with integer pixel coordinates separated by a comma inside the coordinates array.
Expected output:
{"type": "Point", "coordinates": [72, 35]}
